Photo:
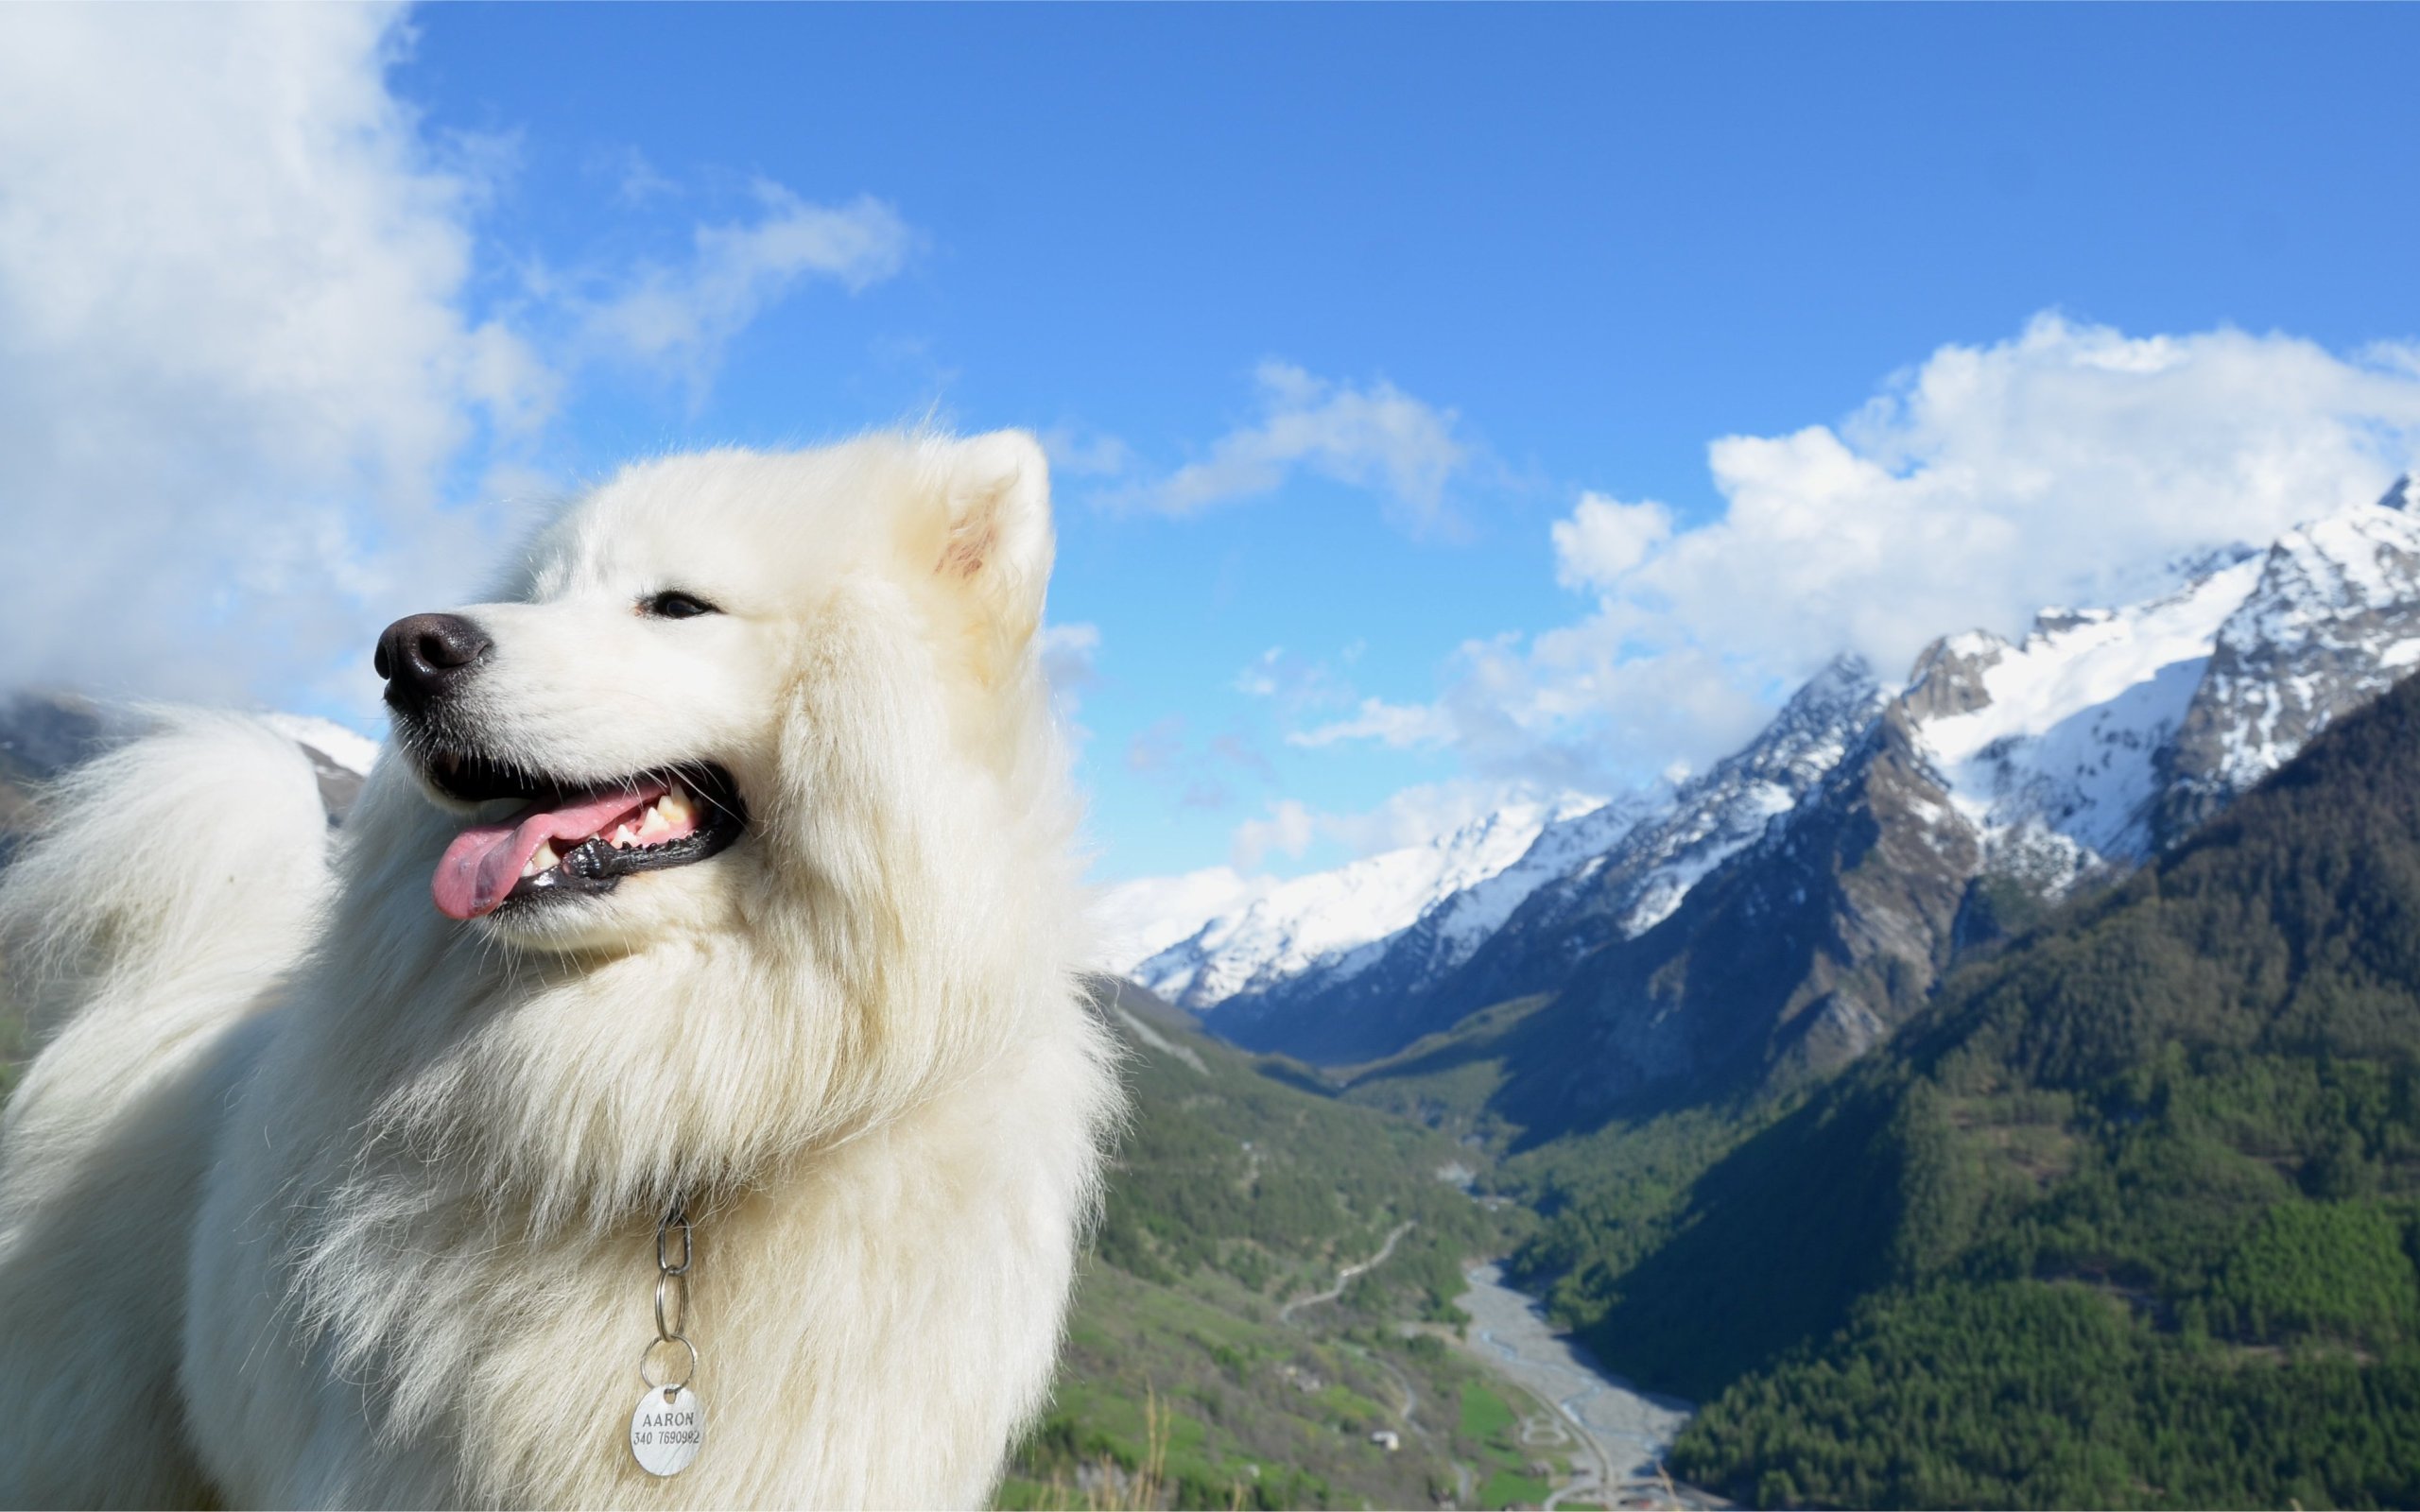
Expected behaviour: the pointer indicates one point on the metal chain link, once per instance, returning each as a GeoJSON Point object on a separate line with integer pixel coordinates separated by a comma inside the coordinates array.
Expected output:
{"type": "Point", "coordinates": [671, 1299]}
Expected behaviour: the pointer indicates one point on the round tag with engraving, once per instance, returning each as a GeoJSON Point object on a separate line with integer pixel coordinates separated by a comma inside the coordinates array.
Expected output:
{"type": "Point", "coordinates": [667, 1429]}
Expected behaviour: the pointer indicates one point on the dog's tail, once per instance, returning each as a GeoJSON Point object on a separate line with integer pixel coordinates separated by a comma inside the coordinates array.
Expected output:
{"type": "Point", "coordinates": [198, 853]}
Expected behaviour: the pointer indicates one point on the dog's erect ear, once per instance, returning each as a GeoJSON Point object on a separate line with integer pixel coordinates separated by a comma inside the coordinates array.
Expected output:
{"type": "Point", "coordinates": [998, 542]}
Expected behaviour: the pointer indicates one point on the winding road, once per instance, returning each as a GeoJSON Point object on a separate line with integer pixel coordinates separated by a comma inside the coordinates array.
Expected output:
{"type": "Point", "coordinates": [1344, 1277]}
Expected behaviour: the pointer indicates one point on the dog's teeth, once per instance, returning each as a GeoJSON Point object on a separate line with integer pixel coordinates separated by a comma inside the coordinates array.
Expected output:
{"type": "Point", "coordinates": [674, 806]}
{"type": "Point", "coordinates": [623, 838]}
{"type": "Point", "coordinates": [652, 823]}
{"type": "Point", "coordinates": [545, 859]}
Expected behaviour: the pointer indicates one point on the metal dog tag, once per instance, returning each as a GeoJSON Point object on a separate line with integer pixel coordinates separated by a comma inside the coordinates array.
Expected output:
{"type": "Point", "coordinates": [667, 1429]}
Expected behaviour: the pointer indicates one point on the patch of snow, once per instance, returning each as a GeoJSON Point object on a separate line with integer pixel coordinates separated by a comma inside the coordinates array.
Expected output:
{"type": "Point", "coordinates": [2329, 626]}
{"type": "Point", "coordinates": [1341, 920]}
{"type": "Point", "coordinates": [1714, 817]}
{"type": "Point", "coordinates": [1978, 643]}
{"type": "Point", "coordinates": [1462, 922]}
{"type": "Point", "coordinates": [2079, 713]}
{"type": "Point", "coordinates": [347, 747]}
{"type": "Point", "coordinates": [1136, 920]}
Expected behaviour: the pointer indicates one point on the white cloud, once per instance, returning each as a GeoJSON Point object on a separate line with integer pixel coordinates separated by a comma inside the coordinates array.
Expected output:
{"type": "Point", "coordinates": [1238, 750]}
{"type": "Point", "coordinates": [241, 378]}
{"type": "Point", "coordinates": [1070, 654]}
{"type": "Point", "coordinates": [1605, 537]}
{"type": "Point", "coordinates": [1395, 725]}
{"type": "Point", "coordinates": [234, 359]}
{"type": "Point", "coordinates": [1412, 816]}
{"type": "Point", "coordinates": [1295, 683]}
{"type": "Point", "coordinates": [636, 182]}
{"type": "Point", "coordinates": [1085, 454]}
{"type": "Point", "coordinates": [1990, 481]}
{"type": "Point", "coordinates": [1135, 920]}
{"type": "Point", "coordinates": [1417, 815]}
{"type": "Point", "coordinates": [1070, 664]}
{"type": "Point", "coordinates": [1260, 679]}
{"type": "Point", "coordinates": [2061, 466]}
{"type": "Point", "coordinates": [1287, 830]}
{"type": "Point", "coordinates": [1157, 746]}
{"type": "Point", "coordinates": [1574, 708]}
{"type": "Point", "coordinates": [687, 315]}
{"type": "Point", "coordinates": [1374, 436]}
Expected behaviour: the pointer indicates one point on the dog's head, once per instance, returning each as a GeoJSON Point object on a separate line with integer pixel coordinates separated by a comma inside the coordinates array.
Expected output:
{"type": "Point", "coordinates": [745, 818]}
{"type": "Point", "coordinates": [730, 678]}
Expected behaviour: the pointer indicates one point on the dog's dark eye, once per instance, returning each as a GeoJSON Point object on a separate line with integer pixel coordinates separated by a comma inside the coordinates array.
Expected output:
{"type": "Point", "coordinates": [676, 606]}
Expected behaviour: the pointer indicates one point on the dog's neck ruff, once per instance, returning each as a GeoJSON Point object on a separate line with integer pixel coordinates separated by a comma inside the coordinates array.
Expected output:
{"type": "Point", "coordinates": [668, 1426]}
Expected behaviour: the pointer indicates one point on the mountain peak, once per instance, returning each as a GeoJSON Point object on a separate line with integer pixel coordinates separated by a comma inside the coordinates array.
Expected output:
{"type": "Point", "coordinates": [1328, 927]}
{"type": "Point", "coordinates": [2050, 747]}
{"type": "Point", "coordinates": [1847, 676]}
{"type": "Point", "coordinates": [1947, 677]}
{"type": "Point", "coordinates": [2333, 620]}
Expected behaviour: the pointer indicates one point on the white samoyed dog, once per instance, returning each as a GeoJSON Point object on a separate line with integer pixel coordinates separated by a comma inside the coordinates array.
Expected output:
{"type": "Point", "coordinates": [724, 863]}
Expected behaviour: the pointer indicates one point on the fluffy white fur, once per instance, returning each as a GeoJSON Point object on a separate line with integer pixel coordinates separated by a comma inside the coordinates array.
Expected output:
{"type": "Point", "coordinates": [316, 1197]}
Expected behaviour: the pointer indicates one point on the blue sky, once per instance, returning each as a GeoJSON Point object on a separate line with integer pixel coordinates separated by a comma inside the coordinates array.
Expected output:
{"type": "Point", "coordinates": [1382, 349]}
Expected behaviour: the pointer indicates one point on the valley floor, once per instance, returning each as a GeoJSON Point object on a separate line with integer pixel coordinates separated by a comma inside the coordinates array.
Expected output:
{"type": "Point", "coordinates": [1623, 1433]}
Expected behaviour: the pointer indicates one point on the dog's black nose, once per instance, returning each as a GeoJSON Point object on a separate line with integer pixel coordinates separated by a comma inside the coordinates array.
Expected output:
{"type": "Point", "coordinates": [422, 656]}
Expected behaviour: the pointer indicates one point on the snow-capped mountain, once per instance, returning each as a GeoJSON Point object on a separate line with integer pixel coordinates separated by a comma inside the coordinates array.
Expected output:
{"type": "Point", "coordinates": [1637, 883]}
{"type": "Point", "coordinates": [1369, 998]}
{"type": "Point", "coordinates": [2013, 768]}
{"type": "Point", "coordinates": [2333, 621]}
{"type": "Point", "coordinates": [2050, 749]}
{"type": "Point", "coordinates": [1136, 921]}
{"type": "Point", "coordinates": [1335, 924]}
{"type": "Point", "coordinates": [2004, 774]}
{"type": "Point", "coordinates": [1606, 873]}
{"type": "Point", "coordinates": [1731, 805]}
{"type": "Point", "coordinates": [2109, 732]}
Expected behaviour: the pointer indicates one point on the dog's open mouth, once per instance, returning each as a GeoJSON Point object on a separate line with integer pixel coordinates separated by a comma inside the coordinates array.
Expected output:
{"type": "Point", "coordinates": [570, 840]}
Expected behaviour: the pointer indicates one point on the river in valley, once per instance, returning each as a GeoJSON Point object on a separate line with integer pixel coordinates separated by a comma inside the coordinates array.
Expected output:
{"type": "Point", "coordinates": [1627, 1429]}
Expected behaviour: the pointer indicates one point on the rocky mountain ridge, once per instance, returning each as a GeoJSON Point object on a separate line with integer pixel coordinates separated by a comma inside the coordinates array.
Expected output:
{"type": "Point", "coordinates": [1438, 900]}
{"type": "Point", "coordinates": [2332, 623]}
{"type": "Point", "coordinates": [1642, 878]}
{"type": "Point", "coordinates": [1793, 904]}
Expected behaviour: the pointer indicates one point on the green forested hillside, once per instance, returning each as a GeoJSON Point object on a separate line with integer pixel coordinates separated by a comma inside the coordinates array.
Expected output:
{"type": "Point", "coordinates": [1229, 1169]}
{"type": "Point", "coordinates": [1232, 1195]}
{"type": "Point", "coordinates": [2130, 1216]}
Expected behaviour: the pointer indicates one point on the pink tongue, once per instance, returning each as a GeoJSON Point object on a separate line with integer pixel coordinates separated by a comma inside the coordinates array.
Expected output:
{"type": "Point", "coordinates": [485, 860]}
